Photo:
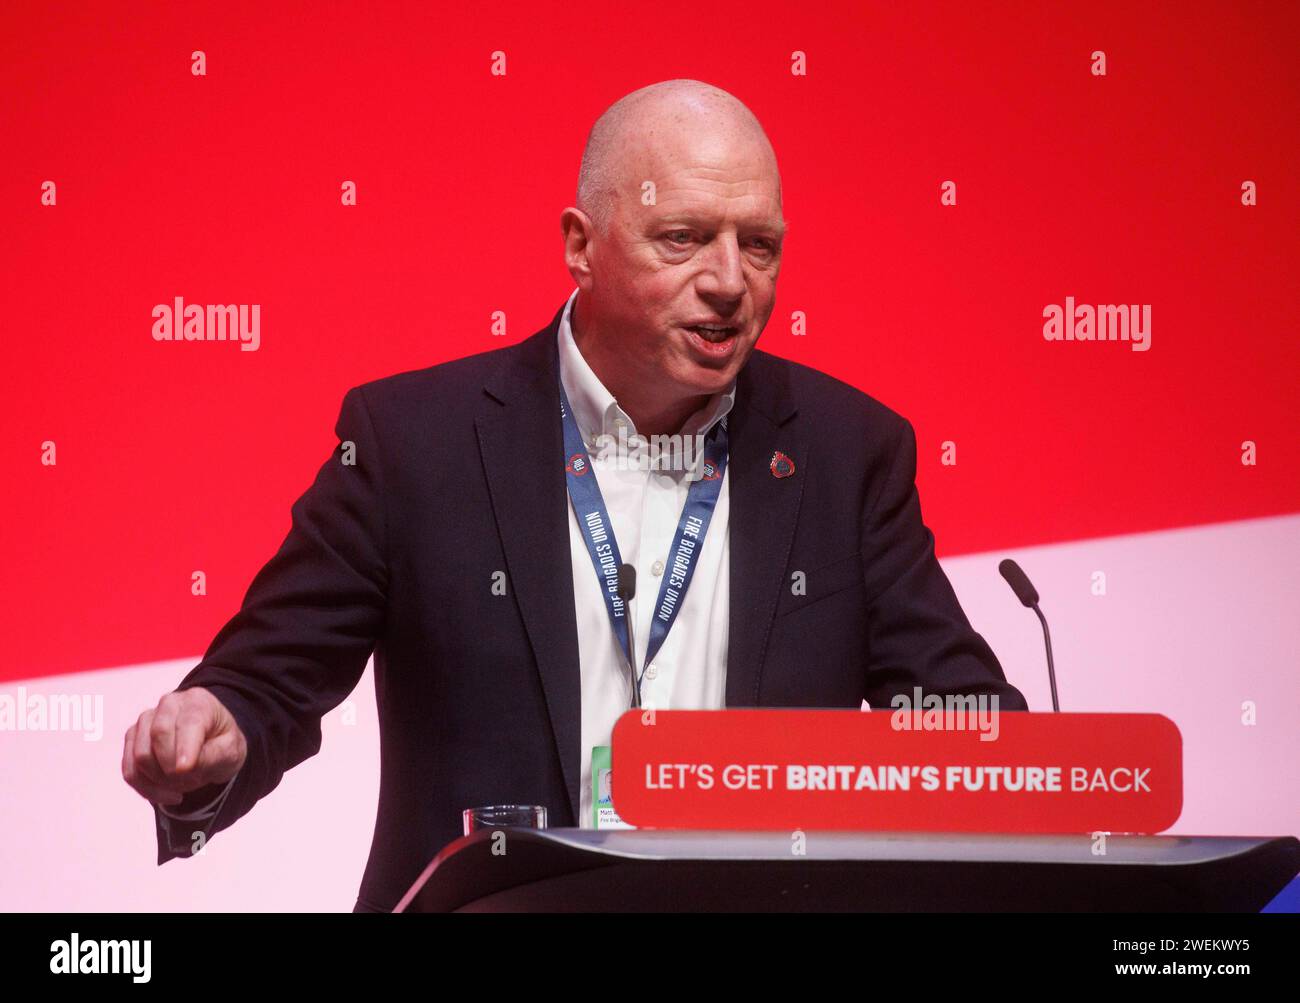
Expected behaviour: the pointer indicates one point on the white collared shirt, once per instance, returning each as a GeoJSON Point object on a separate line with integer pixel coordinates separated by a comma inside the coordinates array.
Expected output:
{"type": "Point", "coordinates": [689, 672]}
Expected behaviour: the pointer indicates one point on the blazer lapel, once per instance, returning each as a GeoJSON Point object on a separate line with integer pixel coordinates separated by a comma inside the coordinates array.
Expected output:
{"type": "Point", "coordinates": [522, 447]}
{"type": "Point", "coordinates": [764, 509]}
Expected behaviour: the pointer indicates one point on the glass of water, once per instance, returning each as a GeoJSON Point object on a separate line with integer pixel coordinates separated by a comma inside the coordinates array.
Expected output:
{"type": "Point", "coordinates": [499, 816]}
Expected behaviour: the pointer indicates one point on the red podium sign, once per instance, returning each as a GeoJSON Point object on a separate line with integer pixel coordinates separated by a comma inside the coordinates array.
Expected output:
{"type": "Point", "coordinates": [897, 771]}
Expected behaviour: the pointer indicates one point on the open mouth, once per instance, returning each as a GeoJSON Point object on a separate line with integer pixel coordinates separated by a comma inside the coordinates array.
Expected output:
{"type": "Point", "coordinates": [713, 339]}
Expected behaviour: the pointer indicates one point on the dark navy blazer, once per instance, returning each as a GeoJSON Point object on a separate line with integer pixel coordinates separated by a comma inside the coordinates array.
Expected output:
{"type": "Point", "coordinates": [458, 474]}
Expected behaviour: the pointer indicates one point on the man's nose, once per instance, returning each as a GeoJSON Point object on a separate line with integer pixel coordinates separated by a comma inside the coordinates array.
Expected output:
{"type": "Point", "coordinates": [724, 276]}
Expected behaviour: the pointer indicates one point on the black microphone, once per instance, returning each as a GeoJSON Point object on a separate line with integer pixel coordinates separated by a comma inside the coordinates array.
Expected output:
{"type": "Point", "coordinates": [1028, 595]}
{"type": "Point", "coordinates": [627, 592]}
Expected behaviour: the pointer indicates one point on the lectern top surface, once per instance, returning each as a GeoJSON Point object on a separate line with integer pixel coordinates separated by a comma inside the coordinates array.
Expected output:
{"type": "Point", "coordinates": [677, 844]}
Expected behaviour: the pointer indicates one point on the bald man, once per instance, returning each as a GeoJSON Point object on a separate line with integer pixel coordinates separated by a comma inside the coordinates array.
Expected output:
{"type": "Point", "coordinates": [631, 507]}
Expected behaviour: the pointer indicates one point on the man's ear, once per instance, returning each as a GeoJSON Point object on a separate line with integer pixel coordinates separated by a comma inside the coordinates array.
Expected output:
{"type": "Point", "coordinates": [578, 229]}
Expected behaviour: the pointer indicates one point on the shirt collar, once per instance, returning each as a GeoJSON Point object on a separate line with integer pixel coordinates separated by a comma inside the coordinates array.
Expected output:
{"type": "Point", "coordinates": [594, 407]}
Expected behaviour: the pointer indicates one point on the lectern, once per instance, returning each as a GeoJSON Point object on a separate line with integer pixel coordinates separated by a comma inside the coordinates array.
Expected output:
{"type": "Point", "coordinates": [662, 870]}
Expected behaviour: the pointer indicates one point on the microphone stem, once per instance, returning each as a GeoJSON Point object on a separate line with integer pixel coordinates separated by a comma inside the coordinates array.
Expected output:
{"type": "Point", "coordinates": [1051, 667]}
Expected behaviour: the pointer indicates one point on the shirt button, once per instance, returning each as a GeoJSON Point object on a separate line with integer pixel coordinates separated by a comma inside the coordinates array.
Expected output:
{"type": "Point", "coordinates": [652, 672]}
{"type": "Point", "coordinates": [657, 568]}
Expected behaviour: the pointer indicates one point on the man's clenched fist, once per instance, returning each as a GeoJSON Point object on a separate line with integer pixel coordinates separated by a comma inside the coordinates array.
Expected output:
{"type": "Point", "coordinates": [188, 741]}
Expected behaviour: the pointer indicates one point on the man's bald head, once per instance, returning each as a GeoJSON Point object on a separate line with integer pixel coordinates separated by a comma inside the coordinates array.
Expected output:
{"type": "Point", "coordinates": [620, 152]}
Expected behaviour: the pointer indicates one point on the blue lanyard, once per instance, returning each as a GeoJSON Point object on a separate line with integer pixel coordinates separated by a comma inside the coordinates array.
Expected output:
{"type": "Point", "coordinates": [598, 532]}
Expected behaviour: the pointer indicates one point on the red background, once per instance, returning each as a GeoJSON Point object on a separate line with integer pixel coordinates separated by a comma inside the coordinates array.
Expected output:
{"type": "Point", "coordinates": [225, 189]}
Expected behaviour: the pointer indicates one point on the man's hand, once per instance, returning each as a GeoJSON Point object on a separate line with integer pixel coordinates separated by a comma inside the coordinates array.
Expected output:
{"type": "Point", "coordinates": [188, 741]}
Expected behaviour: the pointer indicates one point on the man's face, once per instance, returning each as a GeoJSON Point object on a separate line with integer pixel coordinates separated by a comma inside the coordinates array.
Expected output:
{"type": "Point", "coordinates": [705, 255]}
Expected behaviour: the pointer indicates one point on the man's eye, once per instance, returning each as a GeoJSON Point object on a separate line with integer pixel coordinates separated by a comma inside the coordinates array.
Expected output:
{"type": "Point", "coordinates": [680, 236]}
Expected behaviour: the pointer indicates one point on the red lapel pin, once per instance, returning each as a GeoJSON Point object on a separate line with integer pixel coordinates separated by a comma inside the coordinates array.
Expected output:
{"type": "Point", "coordinates": [781, 465]}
